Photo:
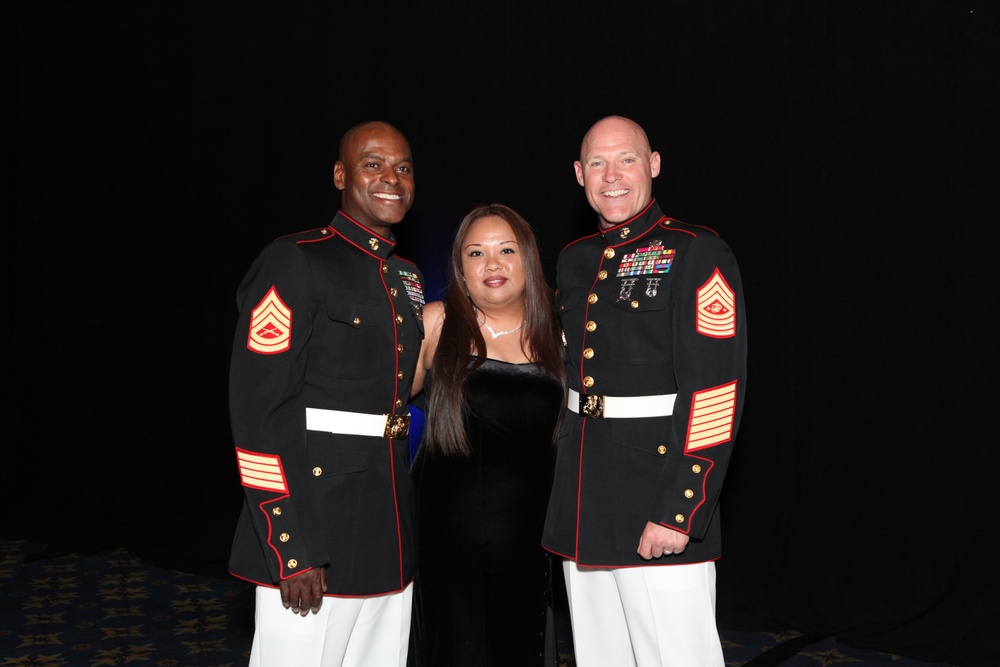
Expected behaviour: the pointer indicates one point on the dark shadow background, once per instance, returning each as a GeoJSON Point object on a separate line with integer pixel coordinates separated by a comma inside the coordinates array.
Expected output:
{"type": "Point", "coordinates": [846, 150]}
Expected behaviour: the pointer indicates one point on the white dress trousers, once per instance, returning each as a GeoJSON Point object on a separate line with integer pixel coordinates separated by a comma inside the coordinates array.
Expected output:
{"type": "Point", "coordinates": [346, 632]}
{"type": "Point", "coordinates": [656, 616]}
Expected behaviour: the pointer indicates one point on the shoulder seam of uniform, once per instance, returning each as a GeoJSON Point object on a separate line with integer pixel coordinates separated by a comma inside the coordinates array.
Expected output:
{"type": "Point", "coordinates": [403, 259]}
{"type": "Point", "coordinates": [688, 224]}
{"type": "Point", "coordinates": [680, 231]}
{"type": "Point", "coordinates": [299, 233]}
{"type": "Point", "coordinates": [582, 238]}
{"type": "Point", "coordinates": [324, 237]}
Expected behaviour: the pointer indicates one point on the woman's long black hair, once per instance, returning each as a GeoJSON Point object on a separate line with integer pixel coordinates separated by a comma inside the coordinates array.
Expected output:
{"type": "Point", "coordinates": [461, 337]}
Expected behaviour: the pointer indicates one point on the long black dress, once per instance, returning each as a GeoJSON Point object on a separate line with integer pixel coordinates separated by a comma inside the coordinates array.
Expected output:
{"type": "Point", "coordinates": [483, 580]}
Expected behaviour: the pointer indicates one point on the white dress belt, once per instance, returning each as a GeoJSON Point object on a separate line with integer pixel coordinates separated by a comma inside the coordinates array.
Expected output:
{"type": "Point", "coordinates": [357, 423]}
{"type": "Point", "coordinates": [618, 407]}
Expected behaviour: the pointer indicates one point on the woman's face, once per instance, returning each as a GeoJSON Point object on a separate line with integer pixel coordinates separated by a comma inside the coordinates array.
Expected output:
{"type": "Point", "coordinates": [491, 263]}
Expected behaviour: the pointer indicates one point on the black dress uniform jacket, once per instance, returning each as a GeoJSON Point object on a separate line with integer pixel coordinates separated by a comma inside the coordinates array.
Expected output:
{"type": "Point", "coordinates": [650, 306]}
{"type": "Point", "coordinates": [330, 319]}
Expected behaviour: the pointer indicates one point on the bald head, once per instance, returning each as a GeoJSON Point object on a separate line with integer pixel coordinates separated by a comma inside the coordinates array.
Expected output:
{"type": "Point", "coordinates": [611, 124]}
{"type": "Point", "coordinates": [351, 136]}
{"type": "Point", "coordinates": [616, 169]}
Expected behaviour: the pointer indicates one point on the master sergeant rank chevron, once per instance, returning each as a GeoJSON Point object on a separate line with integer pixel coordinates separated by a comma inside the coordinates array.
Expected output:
{"type": "Point", "coordinates": [716, 308]}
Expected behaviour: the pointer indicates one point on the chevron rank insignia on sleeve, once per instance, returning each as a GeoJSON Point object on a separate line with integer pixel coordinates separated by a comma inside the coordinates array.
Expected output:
{"type": "Point", "coordinates": [270, 325]}
{"type": "Point", "coordinates": [716, 308]}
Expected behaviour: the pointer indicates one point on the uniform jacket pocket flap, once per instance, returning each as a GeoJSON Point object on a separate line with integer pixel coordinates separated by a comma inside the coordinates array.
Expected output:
{"type": "Point", "coordinates": [359, 316]}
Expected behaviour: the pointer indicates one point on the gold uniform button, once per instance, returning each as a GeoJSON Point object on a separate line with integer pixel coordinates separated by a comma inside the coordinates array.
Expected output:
{"type": "Point", "coordinates": [276, 511]}
{"type": "Point", "coordinates": [317, 471]}
{"type": "Point", "coordinates": [588, 381]}
{"type": "Point", "coordinates": [357, 321]}
{"type": "Point", "coordinates": [602, 274]}
{"type": "Point", "coordinates": [394, 292]}
{"type": "Point", "coordinates": [696, 468]}
{"type": "Point", "coordinates": [609, 252]}
{"type": "Point", "coordinates": [592, 298]}
{"type": "Point", "coordinates": [401, 348]}
{"type": "Point", "coordinates": [661, 450]}
{"type": "Point", "coordinates": [634, 304]}
{"type": "Point", "coordinates": [385, 268]}
{"type": "Point", "coordinates": [284, 537]}
{"type": "Point", "coordinates": [591, 326]}
{"type": "Point", "coordinates": [292, 563]}
{"type": "Point", "coordinates": [400, 375]}
{"type": "Point", "coordinates": [688, 493]}
{"type": "Point", "coordinates": [399, 319]}
{"type": "Point", "coordinates": [679, 518]}
{"type": "Point", "coordinates": [399, 403]}
{"type": "Point", "coordinates": [588, 353]}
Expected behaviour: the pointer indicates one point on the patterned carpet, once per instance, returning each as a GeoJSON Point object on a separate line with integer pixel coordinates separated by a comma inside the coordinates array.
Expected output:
{"type": "Point", "coordinates": [115, 609]}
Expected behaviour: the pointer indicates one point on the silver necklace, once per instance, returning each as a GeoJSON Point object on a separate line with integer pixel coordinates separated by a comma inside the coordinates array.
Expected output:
{"type": "Point", "coordinates": [497, 334]}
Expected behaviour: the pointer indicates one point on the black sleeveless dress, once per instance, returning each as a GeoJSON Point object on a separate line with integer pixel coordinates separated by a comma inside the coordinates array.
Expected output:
{"type": "Point", "coordinates": [483, 585]}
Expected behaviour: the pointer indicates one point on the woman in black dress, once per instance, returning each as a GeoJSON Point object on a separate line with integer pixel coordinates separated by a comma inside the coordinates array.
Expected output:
{"type": "Point", "coordinates": [495, 392]}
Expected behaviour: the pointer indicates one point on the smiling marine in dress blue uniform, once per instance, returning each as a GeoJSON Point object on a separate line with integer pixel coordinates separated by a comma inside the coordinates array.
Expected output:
{"type": "Point", "coordinates": [323, 359]}
{"type": "Point", "coordinates": [653, 314]}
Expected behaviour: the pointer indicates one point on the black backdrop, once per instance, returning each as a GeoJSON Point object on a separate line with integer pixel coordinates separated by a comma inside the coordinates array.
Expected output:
{"type": "Point", "coordinates": [846, 150]}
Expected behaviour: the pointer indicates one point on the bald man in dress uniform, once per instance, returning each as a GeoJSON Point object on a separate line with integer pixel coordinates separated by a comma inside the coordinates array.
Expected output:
{"type": "Point", "coordinates": [655, 326]}
{"type": "Point", "coordinates": [323, 359]}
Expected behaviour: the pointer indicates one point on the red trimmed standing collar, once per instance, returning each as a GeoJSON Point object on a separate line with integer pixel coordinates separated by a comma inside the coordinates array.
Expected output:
{"type": "Point", "coordinates": [634, 228]}
{"type": "Point", "coordinates": [361, 236]}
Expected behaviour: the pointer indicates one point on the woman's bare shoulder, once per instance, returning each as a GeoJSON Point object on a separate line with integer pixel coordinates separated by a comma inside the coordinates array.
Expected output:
{"type": "Point", "coordinates": [433, 313]}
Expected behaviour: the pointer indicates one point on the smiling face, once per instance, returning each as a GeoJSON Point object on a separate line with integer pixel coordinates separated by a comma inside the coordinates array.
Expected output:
{"type": "Point", "coordinates": [375, 175]}
{"type": "Point", "coordinates": [616, 169]}
{"type": "Point", "coordinates": [492, 263]}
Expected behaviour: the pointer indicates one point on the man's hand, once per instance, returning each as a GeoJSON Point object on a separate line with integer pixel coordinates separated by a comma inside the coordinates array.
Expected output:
{"type": "Point", "coordinates": [657, 541]}
{"type": "Point", "coordinates": [304, 592]}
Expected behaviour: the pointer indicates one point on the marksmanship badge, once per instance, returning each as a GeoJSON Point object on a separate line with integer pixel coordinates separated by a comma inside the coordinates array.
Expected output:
{"type": "Point", "coordinates": [625, 294]}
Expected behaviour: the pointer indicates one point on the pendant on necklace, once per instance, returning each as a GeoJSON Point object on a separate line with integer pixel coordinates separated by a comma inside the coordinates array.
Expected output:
{"type": "Point", "coordinates": [497, 334]}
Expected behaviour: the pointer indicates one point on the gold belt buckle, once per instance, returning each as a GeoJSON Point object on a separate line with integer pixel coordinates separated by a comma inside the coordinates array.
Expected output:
{"type": "Point", "coordinates": [396, 426]}
{"type": "Point", "coordinates": [592, 405]}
